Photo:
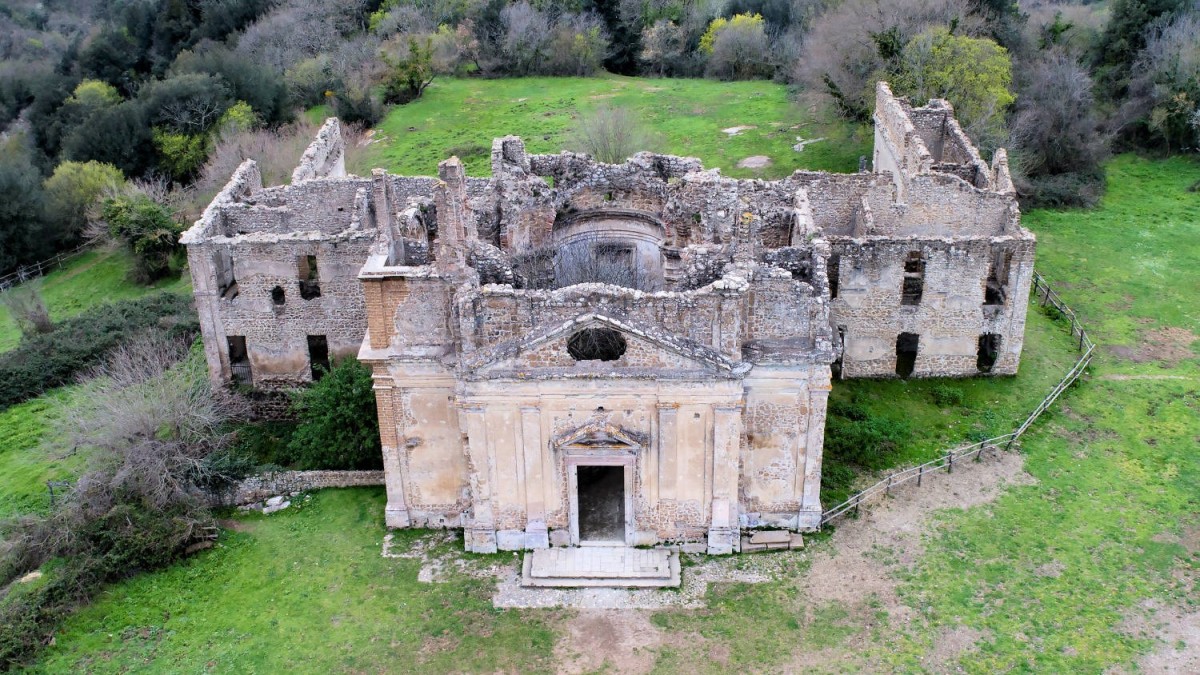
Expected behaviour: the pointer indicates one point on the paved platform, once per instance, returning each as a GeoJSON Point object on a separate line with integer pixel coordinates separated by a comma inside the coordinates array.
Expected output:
{"type": "Point", "coordinates": [601, 566]}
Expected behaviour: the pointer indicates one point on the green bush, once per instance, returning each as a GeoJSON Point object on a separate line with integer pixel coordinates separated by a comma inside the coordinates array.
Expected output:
{"type": "Point", "coordinates": [338, 426]}
{"type": "Point", "coordinates": [946, 395]}
{"type": "Point", "coordinates": [48, 360]}
{"type": "Point", "coordinates": [853, 435]}
{"type": "Point", "coordinates": [149, 231]}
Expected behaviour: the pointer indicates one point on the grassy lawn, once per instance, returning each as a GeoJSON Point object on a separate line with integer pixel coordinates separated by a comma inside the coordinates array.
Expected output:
{"type": "Point", "coordinates": [302, 591]}
{"type": "Point", "coordinates": [685, 117]}
{"type": "Point", "coordinates": [25, 463]}
{"type": "Point", "coordinates": [94, 278]}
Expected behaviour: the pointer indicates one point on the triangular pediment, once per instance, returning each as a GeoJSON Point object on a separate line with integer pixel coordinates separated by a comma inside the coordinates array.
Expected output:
{"type": "Point", "coordinates": [644, 351]}
{"type": "Point", "coordinates": [598, 434]}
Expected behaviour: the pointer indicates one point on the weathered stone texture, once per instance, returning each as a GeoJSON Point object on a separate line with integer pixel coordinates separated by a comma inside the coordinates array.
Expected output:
{"type": "Point", "coordinates": [501, 367]}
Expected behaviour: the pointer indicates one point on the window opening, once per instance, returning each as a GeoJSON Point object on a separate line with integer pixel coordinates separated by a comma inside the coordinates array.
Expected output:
{"type": "Point", "coordinates": [836, 366]}
{"type": "Point", "coordinates": [989, 352]}
{"type": "Point", "coordinates": [318, 356]}
{"type": "Point", "coordinates": [995, 290]}
{"type": "Point", "coordinates": [310, 281]}
{"type": "Point", "coordinates": [239, 359]}
{"type": "Point", "coordinates": [914, 279]}
{"type": "Point", "coordinates": [834, 270]}
{"type": "Point", "coordinates": [596, 344]}
{"type": "Point", "coordinates": [906, 353]}
{"type": "Point", "coordinates": [227, 286]}
{"type": "Point", "coordinates": [277, 296]}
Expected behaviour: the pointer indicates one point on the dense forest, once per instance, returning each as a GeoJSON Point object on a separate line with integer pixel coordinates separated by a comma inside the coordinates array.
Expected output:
{"type": "Point", "coordinates": [127, 106]}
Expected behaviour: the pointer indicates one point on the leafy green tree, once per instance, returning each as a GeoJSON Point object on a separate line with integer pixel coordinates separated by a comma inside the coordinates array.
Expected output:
{"type": "Point", "coordinates": [338, 423]}
{"type": "Point", "coordinates": [1124, 38]}
{"type": "Point", "coordinates": [189, 103]}
{"type": "Point", "coordinates": [22, 237]}
{"type": "Point", "coordinates": [112, 56]}
{"type": "Point", "coordinates": [181, 155]}
{"type": "Point", "coordinates": [246, 80]}
{"type": "Point", "coordinates": [410, 73]}
{"type": "Point", "coordinates": [147, 229]}
{"type": "Point", "coordinates": [73, 191]}
{"type": "Point", "coordinates": [119, 136]}
{"type": "Point", "coordinates": [974, 74]}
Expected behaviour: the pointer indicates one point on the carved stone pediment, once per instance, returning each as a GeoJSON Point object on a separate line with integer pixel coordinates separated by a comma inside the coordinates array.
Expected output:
{"type": "Point", "coordinates": [599, 436]}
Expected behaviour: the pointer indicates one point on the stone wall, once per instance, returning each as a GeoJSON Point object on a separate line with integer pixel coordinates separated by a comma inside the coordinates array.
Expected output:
{"type": "Point", "coordinates": [325, 156]}
{"type": "Point", "coordinates": [264, 486]}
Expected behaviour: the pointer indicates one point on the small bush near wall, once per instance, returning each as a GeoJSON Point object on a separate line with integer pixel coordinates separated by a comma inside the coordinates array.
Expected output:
{"type": "Point", "coordinates": [338, 427]}
{"type": "Point", "coordinates": [48, 360]}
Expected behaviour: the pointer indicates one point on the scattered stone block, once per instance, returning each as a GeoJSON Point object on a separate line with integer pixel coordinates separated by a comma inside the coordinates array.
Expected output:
{"type": "Point", "coordinates": [771, 537]}
{"type": "Point", "coordinates": [797, 540]}
{"type": "Point", "coordinates": [275, 501]}
{"type": "Point", "coordinates": [267, 510]}
{"type": "Point", "coordinates": [748, 547]}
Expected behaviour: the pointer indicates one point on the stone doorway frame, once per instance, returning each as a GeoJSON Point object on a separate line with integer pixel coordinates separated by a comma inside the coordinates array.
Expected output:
{"type": "Point", "coordinates": [628, 462]}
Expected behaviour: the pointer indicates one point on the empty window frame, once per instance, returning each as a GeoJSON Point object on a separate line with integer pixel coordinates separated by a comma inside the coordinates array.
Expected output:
{"type": "Point", "coordinates": [310, 280]}
{"type": "Point", "coordinates": [989, 352]}
{"type": "Point", "coordinates": [834, 270]}
{"type": "Point", "coordinates": [907, 345]}
{"type": "Point", "coordinates": [318, 356]}
{"type": "Point", "coordinates": [836, 367]}
{"type": "Point", "coordinates": [914, 279]}
{"type": "Point", "coordinates": [995, 289]}
{"type": "Point", "coordinates": [239, 360]}
{"type": "Point", "coordinates": [596, 344]}
{"type": "Point", "coordinates": [227, 286]}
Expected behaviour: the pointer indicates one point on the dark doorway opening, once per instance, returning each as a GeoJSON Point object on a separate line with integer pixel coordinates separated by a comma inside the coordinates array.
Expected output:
{"type": "Point", "coordinates": [601, 492]}
{"type": "Point", "coordinates": [989, 352]}
{"type": "Point", "coordinates": [318, 356]}
{"type": "Point", "coordinates": [239, 359]}
{"type": "Point", "coordinates": [906, 353]}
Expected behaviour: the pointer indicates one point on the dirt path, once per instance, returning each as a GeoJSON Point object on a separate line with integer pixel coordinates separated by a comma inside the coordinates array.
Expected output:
{"type": "Point", "coordinates": [857, 570]}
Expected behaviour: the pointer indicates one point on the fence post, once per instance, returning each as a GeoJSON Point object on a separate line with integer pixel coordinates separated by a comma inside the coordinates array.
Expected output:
{"type": "Point", "coordinates": [920, 474]}
{"type": "Point", "coordinates": [888, 489]}
{"type": "Point", "coordinates": [950, 466]}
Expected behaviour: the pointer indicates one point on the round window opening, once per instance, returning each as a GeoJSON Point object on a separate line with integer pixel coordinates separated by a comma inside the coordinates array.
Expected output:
{"type": "Point", "coordinates": [596, 344]}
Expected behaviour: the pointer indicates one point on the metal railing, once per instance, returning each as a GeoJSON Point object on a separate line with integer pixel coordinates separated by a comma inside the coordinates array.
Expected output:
{"type": "Point", "coordinates": [1048, 298]}
{"type": "Point", "coordinates": [39, 269]}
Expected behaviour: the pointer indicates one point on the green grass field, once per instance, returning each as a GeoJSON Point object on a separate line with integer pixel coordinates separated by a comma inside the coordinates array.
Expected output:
{"type": "Point", "coordinates": [1046, 577]}
{"type": "Point", "coordinates": [94, 278]}
{"type": "Point", "coordinates": [684, 117]}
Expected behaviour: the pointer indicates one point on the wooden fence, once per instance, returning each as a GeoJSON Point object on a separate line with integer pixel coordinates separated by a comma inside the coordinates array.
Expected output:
{"type": "Point", "coordinates": [1048, 298]}
{"type": "Point", "coordinates": [38, 269]}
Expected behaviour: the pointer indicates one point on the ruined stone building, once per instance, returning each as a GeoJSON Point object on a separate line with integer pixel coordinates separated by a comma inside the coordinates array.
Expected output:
{"type": "Point", "coordinates": [571, 352]}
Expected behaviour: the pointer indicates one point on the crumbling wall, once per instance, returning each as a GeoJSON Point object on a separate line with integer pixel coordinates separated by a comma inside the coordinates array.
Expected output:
{"type": "Point", "coordinates": [950, 316]}
{"type": "Point", "coordinates": [325, 157]}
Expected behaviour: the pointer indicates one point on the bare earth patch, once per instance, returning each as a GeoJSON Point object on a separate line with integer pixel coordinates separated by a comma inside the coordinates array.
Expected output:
{"type": "Point", "coordinates": [755, 162]}
{"type": "Point", "coordinates": [1177, 631]}
{"type": "Point", "coordinates": [1166, 345]}
{"type": "Point", "coordinates": [734, 131]}
{"type": "Point", "coordinates": [608, 640]}
{"type": "Point", "coordinates": [857, 570]}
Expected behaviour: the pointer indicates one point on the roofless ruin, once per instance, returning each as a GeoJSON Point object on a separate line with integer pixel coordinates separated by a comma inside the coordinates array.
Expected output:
{"type": "Point", "coordinates": [572, 353]}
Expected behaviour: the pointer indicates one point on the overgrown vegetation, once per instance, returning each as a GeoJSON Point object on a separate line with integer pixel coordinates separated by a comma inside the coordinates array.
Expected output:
{"type": "Point", "coordinates": [150, 419]}
{"type": "Point", "coordinates": [47, 360]}
{"type": "Point", "coordinates": [338, 427]}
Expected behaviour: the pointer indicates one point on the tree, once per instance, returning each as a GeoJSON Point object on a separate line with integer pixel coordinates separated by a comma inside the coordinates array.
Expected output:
{"type": "Point", "coordinates": [974, 74]}
{"type": "Point", "coordinates": [22, 238]}
{"type": "Point", "coordinates": [147, 229]}
{"type": "Point", "coordinates": [190, 103]}
{"type": "Point", "coordinates": [737, 48]}
{"type": "Point", "coordinates": [119, 136]}
{"type": "Point", "coordinates": [1058, 142]}
{"type": "Point", "coordinates": [338, 424]}
{"type": "Point", "coordinates": [410, 73]}
{"type": "Point", "coordinates": [1164, 92]}
{"type": "Point", "coordinates": [112, 56]}
{"type": "Point", "coordinates": [73, 192]}
{"type": "Point", "coordinates": [663, 44]}
{"type": "Point", "coordinates": [246, 80]}
{"type": "Point", "coordinates": [1125, 36]}
{"type": "Point", "coordinates": [526, 32]}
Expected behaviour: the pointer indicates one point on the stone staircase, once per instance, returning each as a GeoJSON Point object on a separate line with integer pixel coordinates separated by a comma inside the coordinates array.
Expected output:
{"type": "Point", "coordinates": [600, 566]}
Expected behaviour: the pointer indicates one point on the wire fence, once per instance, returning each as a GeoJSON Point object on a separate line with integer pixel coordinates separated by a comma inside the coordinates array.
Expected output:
{"type": "Point", "coordinates": [1048, 297]}
{"type": "Point", "coordinates": [39, 269]}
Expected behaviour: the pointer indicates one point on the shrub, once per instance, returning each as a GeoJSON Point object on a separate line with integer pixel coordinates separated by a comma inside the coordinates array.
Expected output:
{"type": "Point", "coordinates": [610, 135]}
{"type": "Point", "coordinates": [149, 231]}
{"type": "Point", "coordinates": [854, 435]}
{"type": "Point", "coordinates": [410, 73]}
{"type": "Point", "coordinates": [48, 360]}
{"type": "Point", "coordinates": [26, 307]}
{"type": "Point", "coordinates": [338, 424]}
{"type": "Point", "coordinates": [73, 192]}
{"type": "Point", "coordinates": [946, 395]}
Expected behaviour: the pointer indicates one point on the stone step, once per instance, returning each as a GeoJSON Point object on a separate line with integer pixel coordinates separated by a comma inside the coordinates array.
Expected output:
{"type": "Point", "coordinates": [600, 566]}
